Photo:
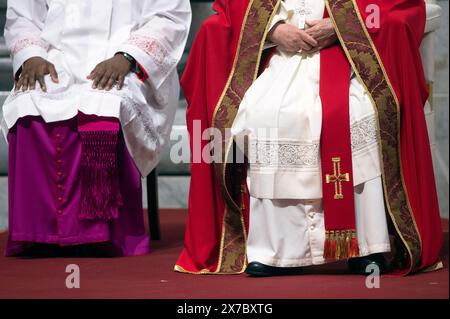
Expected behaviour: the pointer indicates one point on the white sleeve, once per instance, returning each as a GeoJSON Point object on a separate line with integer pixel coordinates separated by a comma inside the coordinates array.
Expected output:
{"type": "Point", "coordinates": [158, 43]}
{"type": "Point", "coordinates": [283, 15]}
{"type": "Point", "coordinates": [24, 23]}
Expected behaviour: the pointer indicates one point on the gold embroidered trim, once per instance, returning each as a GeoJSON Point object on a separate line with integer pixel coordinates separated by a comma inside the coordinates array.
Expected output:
{"type": "Point", "coordinates": [231, 207]}
{"type": "Point", "coordinates": [414, 258]}
{"type": "Point", "coordinates": [437, 266]}
{"type": "Point", "coordinates": [203, 272]}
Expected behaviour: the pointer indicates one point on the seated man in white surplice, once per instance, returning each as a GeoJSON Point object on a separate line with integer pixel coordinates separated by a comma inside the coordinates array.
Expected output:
{"type": "Point", "coordinates": [95, 97]}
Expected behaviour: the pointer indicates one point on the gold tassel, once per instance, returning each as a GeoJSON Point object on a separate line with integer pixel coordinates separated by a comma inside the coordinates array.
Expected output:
{"type": "Point", "coordinates": [326, 249]}
{"type": "Point", "coordinates": [340, 244]}
{"type": "Point", "coordinates": [348, 235]}
{"type": "Point", "coordinates": [354, 250]}
{"type": "Point", "coordinates": [330, 245]}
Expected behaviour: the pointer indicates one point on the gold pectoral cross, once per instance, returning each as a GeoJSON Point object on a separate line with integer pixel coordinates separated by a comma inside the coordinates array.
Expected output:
{"type": "Point", "coordinates": [337, 178]}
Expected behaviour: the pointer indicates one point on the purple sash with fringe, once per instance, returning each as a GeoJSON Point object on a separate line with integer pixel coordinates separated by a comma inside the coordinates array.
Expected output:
{"type": "Point", "coordinates": [99, 174]}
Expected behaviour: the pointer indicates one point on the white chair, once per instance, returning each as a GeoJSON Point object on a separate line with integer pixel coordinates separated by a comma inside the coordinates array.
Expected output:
{"type": "Point", "coordinates": [428, 52]}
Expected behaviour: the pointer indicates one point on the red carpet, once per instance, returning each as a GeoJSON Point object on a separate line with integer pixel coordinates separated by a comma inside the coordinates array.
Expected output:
{"type": "Point", "coordinates": [152, 277]}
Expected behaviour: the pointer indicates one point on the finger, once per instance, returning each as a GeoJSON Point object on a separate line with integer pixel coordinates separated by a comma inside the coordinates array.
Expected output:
{"type": "Point", "coordinates": [96, 79]}
{"type": "Point", "coordinates": [24, 83]}
{"type": "Point", "coordinates": [312, 23]}
{"type": "Point", "coordinates": [32, 82]}
{"type": "Point", "coordinates": [305, 46]}
{"type": "Point", "coordinates": [323, 37]}
{"type": "Point", "coordinates": [312, 35]}
{"type": "Point", "coordinates": [302, 45]}
{"type": "Point", "coordinates": [310, 40]}
{"type": "Point", "coordinates": [111, 82]}
{"type": "Point", "coordinates": [319, 37]}
{"type": "Point", "coordinates": [19, 83]}
{"type": "Point", "coordinates": [41, 80]}
{"type": "Point", "coordinates": [312, 31]}
{"type": "Point", "coordinates": [93, 73]}
{"type": "Point", "coordinates": [293, 47]}
{"type": "Point", "coordinates": [120, 82]}
{"type": "Point", "coordinates": [53, 73]}
{"type": "Point", "coordinates": [103, 81]}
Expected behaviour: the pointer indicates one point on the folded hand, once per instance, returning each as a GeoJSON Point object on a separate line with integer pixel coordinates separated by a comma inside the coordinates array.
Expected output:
{"type": "Point", "coordinates": [292, 39]}
{"type": "Point", "coordinates": [323, 32]}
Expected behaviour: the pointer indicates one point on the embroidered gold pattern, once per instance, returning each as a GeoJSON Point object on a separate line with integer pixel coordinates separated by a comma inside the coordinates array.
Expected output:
{"type": "Point", "coordinates": [231, 177]}
{"type": "Point", "coordinates": [363, 56]}
{"type": "Point", "coordinates": [337, 178]}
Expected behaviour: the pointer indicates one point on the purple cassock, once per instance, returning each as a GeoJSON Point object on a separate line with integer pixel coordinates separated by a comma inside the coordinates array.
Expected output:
{"type": "Point", "coordinates": [45, 192]}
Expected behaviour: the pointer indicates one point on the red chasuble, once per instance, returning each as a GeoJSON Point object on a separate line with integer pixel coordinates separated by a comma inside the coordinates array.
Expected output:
{"type": "Point", "coordinates": [224, 62]}
{"type": "Point", "coordinates": [206, 74]}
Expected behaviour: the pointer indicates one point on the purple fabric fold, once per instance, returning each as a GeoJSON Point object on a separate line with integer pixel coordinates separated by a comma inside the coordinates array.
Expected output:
{"type": "Point", "coordinates": [45, 193]}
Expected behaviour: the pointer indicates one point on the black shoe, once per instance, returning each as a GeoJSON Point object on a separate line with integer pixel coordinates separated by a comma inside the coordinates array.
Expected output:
{"type": "Point", "coordinates": [360, 265]}
{"type": "Point", "coordinates": [256, 269]}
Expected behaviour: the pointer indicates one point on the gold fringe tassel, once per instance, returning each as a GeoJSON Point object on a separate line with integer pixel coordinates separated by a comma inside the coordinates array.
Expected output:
{"type": "Point", "coordinates": [340, 244]}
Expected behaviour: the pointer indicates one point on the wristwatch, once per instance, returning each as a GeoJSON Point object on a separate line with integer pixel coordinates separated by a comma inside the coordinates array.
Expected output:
{"type": "Point", "coordinates": [134, 66]}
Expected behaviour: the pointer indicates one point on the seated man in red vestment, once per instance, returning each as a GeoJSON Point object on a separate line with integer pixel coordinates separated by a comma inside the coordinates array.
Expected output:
{"type": "Point", "coordinates": [350, 162]}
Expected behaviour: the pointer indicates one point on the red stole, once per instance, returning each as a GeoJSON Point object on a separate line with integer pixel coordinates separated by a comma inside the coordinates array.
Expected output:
{"type": "Point", "coordinates": [336, 156]}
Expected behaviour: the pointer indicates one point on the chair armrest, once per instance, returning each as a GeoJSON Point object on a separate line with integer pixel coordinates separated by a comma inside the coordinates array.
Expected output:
{"type": "Point", "coordinates": [427, 49]}
{"type": "Point", "coordinates": [434, 14]}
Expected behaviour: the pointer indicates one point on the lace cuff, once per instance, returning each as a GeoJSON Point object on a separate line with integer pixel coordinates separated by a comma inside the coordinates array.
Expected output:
{"type": "Point", "coordinates": [152, 56]}
{"type": "Point", "coordinates": [26, 48]}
